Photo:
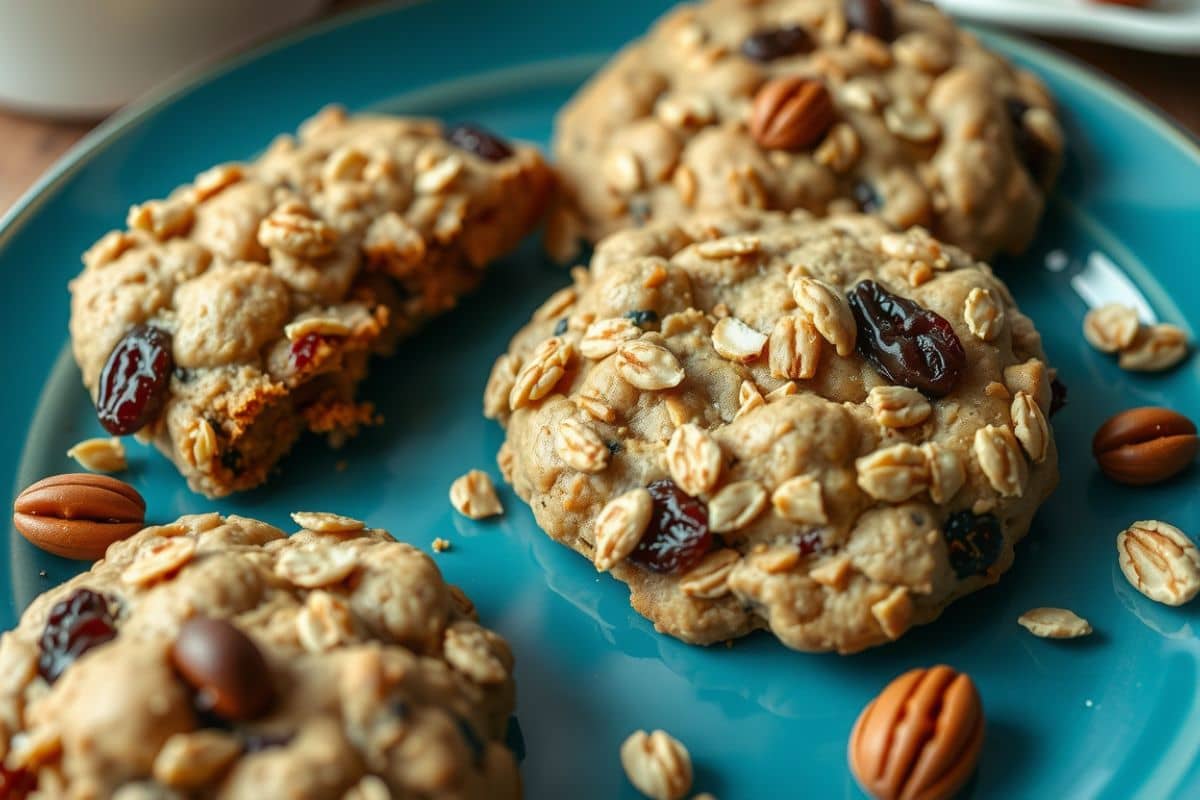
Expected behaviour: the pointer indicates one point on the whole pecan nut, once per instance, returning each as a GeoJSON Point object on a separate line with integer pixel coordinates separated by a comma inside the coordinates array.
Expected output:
{"type": "Point", "coordinates": [1145, 445]}
{"type": "Point", "coordinates": [791, 113]}
{"type": "Point", "coordinates": [78, 515]}
{"type": "Point", "coordinates": [921, 736]}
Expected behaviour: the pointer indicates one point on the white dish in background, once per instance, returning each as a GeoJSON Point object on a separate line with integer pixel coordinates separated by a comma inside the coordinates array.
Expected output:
{"type": "Point", "coordinates": [1169, 26]}
{"type": "Point", "coordinates": [85, 59]}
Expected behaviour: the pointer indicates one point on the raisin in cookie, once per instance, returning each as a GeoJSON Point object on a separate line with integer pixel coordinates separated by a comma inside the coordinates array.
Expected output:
{"type": "Point", "coordinates": [823, 105]}
{"type": "Point", "coordinates": [755, 420]}
{"type": "Point", "coordinates": [242, 310]}
{"type": "Point", "coordinates": [216, 658]}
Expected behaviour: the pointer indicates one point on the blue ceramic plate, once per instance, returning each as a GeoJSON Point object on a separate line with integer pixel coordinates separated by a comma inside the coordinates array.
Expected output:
{"type": "Point", "coordinates": [1116, 715]}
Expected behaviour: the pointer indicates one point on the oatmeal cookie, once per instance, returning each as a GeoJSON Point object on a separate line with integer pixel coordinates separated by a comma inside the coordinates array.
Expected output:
{"type": "Point", "coordinates": [823, 105]}
{"type": "Point", "coordinates": [216, 658]}
{"type": "Point", "coordinates": [242, 310]}
{"type": "Point", "coordinates": [759, 420]}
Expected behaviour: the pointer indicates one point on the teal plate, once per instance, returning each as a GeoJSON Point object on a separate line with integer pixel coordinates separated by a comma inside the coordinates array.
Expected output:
{"type": "Point", "coordinates": [1116, 715]}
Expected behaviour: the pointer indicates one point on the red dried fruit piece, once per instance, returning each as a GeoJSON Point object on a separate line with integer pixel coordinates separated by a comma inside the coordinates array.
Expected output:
{"type": "Point", "coordinates": [768, 45]}
{"type": "Point", "coordinates": [677, 536]}
{"type": "Point", "coordinates": [479, 141]}
{"type": "Point", "coordinates": [973, 542]}
{"type": "Point", "coordinates": [809, 542]}
{"type": "Point", "coordinates": [74, 626]}
{"type": "Point", "coordinates": [304, 349]}
{"type": "Point", "coordinates": [16, 784]}
{"type": "Point", "coordinates": [909, 345]}
{"type": "Point", "coordinates": [135, 380]}
{"type": "Point", "coordinates": [871, 16]}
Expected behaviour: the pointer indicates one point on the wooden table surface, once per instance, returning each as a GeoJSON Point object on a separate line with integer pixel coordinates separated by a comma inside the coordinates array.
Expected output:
{"type": "Point", "coordinates": [28, 146]}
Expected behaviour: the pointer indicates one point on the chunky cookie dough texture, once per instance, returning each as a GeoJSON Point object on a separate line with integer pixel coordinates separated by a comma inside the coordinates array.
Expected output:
{"type": "Point", "coordinates": [380, 682]}
{"type": "Point", "coordinates": [700, 414]}
{"type": "Point", "coordinates": [823, 105]}
{"type": "Point", "coordinates": [277, 279]}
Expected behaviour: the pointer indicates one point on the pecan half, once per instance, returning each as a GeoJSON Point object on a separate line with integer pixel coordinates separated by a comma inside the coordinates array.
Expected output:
{"type": "Point", "coordinates": [78, 515]}
{"type": "Point", "coordinates": [1145, 445]}
{"type": "Point", "coordinates": [791, 113]}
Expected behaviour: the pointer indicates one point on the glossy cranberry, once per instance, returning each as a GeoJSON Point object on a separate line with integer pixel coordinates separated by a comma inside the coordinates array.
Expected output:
{"type": "Point", "coordinates": [909, 345]}
{"type": "Point", "coordinates": [74, 626]}
{"type": "Point", "coordinates": [768, 45]}
{"type": "Point", "coordinates": [973, 542]}
{"type": "Point", "coordinates": [16, 784]}
{"type": "Point", "coordinates": [1031, 151]}
{"type": "Point", "coordinates": [135, 380]}
{"type": "Point", "coordinates": [1058, 396]}
{"type": "Point", "coordinates": [304, 349]}
{"type": "Point", "coordinates": [871, 16]}
{"type": "Point", "coordinates": [809, 542]}
{"type": "Point", "coordinates": [479, 141]}
{"type": "Point", "coordinates": [677, 537]}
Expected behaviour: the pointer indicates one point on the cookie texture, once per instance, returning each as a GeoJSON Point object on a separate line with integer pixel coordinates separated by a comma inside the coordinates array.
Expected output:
{"type": "Point", "coordinates": [378, 680]}
{"type": "Point", "coordinates": [712, 423]}
{"type": "Point", "coordinates": [823, 105]}
{"type": "Point", "coordinates": [274, 281]}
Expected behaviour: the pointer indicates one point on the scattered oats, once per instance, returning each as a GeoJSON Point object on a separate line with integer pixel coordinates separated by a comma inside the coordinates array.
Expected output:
{"type": "Point", "coordinates": [293, 229]}
{"type": "Point", "coordinates": [441, 545]}
{"type": "Point", "coordinates": [708, 579]}
{"type": "Point", "coordinates": [786, 389]}
{"type": "Point", "coordinates": [749, 399]}
{"type": "Point", "coordinates": [473, 495]}
{"type": "Point", "coordinates": [1155, 348]}
{"type": "Point", "coordinates": [1029, 426]}
{"type": "Point", "coordinates": [729, 247]}
{"type": "Point", "coordinates": [541, 373]}
{"type": "Point", "coordinates": [799, 499]}
{"type": "Point", "coordinates": [100, 454]}
{"type": "Point", "coordinates": [476, 652]}
{"type": "Point", "coordinates": [999, 456]}
{"type": "Point", "coordinates": [829, 312]}
{"type": "Point", "coordinates": [1054, 623]}
{"type": "Point", "coordinates": [204, 444]}
{"type": "Point", "coordinates": [162, 218]}
{"type": "Point", "coordinates": [1160, 561]}
{"type": "Point", "coordinates": [894, 473]}
{"type": "Point", "coordinates": [984, 314]}
{"type": "Point", "coordinates": [315, 565]}
{"type": "Point", "coordinates": [580, 447]}
{"type": "Point", "coordinates": [325, 522]}
{"type": "Point", "coordinates": [500, 385]}
{"type": "Point", "coordinates": [187, 761]}
{"type": "Point", "coordinates": [909, 122]}
{"type": "Point", "coordinates": [794, 348]}
{"type": "Point", "coordinates": [327, 326]}
{"type": "Point", "coordinates": [159, 558]}
{"type": "Point", "coordinates": [1111, 327]}
{"type": "Point", "coordinates": [840, 148]}
{"type": "Point", "coordinates": [736, 506]}
{"type": "Point", "coordinates": [602, 337]}
{"type": "Point", "coordinates": [595, 408]}
{"type": "Point", "coordinates": [438, 176]}
{"type": "Point", "coordinates": [657, 764]}
{"type": "Point", "coordinates": [898, 406]}
{"type": "Point", "coordinates": [946, 473]}
{"type": "Point", "coordinates": [619, 527]}
{"type": "Point", "coordinates": [325, 622]}
{"type": "Point", "coordinates": [737, 341]}
{"type": "Point", "coordinates": [694, 459]}
{"type": "Point", "coordinates": [648, 366]}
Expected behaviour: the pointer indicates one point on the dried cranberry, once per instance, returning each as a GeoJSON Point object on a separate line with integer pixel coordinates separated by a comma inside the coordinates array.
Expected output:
{"type": "Point", "coordinates": [304, 349]}
{"type": "Point", "coordinates": [973, 542]}
{"type": "Point", "coordinates": [866, 197]}
{"type": "Point", "coordinates": [768, 45]}
{"type": "Point", "coordinates": [74, 626]}
{"type": "Point", "coordinates": [1031, 150]}
{"type": "Point", "coordinates": [909, 345]}
{"type": "Point", "coordinates": [677, 537]}
{"type": "Point", "coordinates": [873, 17]}
{"type": "Point", "coordinates": [16, 784]}
{"type": "Point", "coordinates": [1058, 396]}
{"type": "Point", "coordinates": [482, 143]}
{"type": "Point", "coordinates": [809, 542]}
{"type": "Point", "coordinates": [135, 380]}
{"type": "Point", "coordinates": [642, 317]}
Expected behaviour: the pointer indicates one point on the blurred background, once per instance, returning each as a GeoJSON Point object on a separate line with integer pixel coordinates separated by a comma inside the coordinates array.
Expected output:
{"type": "Point", "coordinates": [65, 66]}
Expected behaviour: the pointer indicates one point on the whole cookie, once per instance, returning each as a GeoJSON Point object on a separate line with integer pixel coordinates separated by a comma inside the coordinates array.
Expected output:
{"type": "Point", "coordinates": [823, 105]}
{"type": "Point", "coordinates": [216, 658]}
{"type": "Point", "coordinates": [758, 420]}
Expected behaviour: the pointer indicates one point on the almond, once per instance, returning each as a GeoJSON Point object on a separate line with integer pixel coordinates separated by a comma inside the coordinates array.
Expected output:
{"type": "Point", "coordinates": [920, 737]}
{"type": "Point", "coordinates": [78, 515]}
{"type": "Point", "coordinates": [791, 113]}
{"type": "Point", "coordinates": [1145, 445]}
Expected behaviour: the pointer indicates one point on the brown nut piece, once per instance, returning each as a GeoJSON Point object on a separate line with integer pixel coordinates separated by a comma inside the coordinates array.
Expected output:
{"type": "Point", "coordinates": [78, 515]}
{"type": "Point", "coordinates": [920, 738]}
{"type": "Point", "coordinates": [1145, 445]}
{"type": "Point", "coordinates": [791, 113]}
{"type": "Point", "coordinates": [225, 667]}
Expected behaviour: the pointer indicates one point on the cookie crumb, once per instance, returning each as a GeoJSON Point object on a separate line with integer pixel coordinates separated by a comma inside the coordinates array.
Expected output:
{"type": "Point", "coordinates": [441, 545]}
{"type": "Point", "coordinates": [1054, 623]}
{"type": "Point", "coordinates": [103, 454]}
{"type": "Point", "coordinates": [474, 495]}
